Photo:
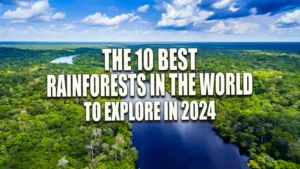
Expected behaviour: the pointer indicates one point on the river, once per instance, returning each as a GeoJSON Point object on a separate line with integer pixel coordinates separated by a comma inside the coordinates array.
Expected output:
{"type": "Point", "coordinates": [182, 145]}
{"type": "Point", "coordinates": [179, 145]}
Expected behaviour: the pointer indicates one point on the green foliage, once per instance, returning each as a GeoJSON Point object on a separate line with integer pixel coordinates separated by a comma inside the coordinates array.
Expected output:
{"type": "Point", "coordinates": [265, 125]}
{"type": "Point", "coordinates": [40, 132]}
{"type": "Point", "coordinates": [37, 132]}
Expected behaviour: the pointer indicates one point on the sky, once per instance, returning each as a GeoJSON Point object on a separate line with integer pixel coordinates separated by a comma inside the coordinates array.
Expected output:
{"type": "Point", "coordinates": [150, 20]}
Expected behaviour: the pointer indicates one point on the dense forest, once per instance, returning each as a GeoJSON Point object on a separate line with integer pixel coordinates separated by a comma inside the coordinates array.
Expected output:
{"type": "Point", "coordinates": [41, 132]}
{"type": "Point", "coordinates": [266, 125]}
{"type": "Point", "coordinates": [38, 132]}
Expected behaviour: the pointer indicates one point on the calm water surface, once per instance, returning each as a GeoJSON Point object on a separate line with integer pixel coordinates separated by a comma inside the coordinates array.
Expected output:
{"type": "Point", "coordinates": [182, 145]}
{"type": "Point", "coordinates": [65, 59]}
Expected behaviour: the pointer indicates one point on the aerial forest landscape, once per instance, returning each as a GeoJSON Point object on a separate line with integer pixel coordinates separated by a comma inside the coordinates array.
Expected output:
{"type": "Point", "coordinates": [150, 84]}
{"type": "Point", "coordinates": [41, 132]}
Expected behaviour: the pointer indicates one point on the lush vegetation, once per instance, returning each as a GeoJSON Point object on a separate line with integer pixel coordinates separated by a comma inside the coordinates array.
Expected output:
{"type": "Point", "coordinates": [39, 132]}
{"type": "Point", "coordinates": [36, 132]}
{"type": "Point", "coordinates": [266, 125]}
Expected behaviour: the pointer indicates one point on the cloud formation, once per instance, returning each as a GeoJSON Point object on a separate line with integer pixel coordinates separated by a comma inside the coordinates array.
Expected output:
{"type": "Point", "coordinates": [58, 15]}
{"type": "Point", "coordinates": [102, 19]}
{"type": "Point", "coordinates": [180, 13]}
{"type": "Point", "coordinates": [38, 11]}
{"type": "Point", "coordinates": [143, 8]}
{"type": "Point", "coordinates": [221, 4]}
{"type": "Point", "coordinates": [68, 26]}
{"type": "Point", "coordinates": [222, 9]}
{"type": "Point", "coordinates": [233, 27]}
{"type": "Point", "coordinates": [135, 18]}
{"type": "Point", "coordinates": [289, 20]}
{"type": "Point", "coordinates": [250, 19]}
{"type": "Point", "coordinates": [232, 8]}
{"type": "Point", "coordinates": [17, 2]}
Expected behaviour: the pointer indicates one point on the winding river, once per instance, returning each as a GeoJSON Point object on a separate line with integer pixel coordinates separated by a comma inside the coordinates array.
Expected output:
{"type": "Point", "coordinates": [180, 145]}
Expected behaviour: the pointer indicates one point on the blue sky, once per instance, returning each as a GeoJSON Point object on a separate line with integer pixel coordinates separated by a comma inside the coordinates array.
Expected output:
{"type": "Point", "coordinates": [150, 20]}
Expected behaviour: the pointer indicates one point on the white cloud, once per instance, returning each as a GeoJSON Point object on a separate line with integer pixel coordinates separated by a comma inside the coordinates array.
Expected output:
{"type": "Point", "coordinates": [287, 31]}
{"type": "Point", "coordinates": [58, 15]}
{"type": "Point", "coordinates": [68, 26]}
{"type": "Point", "coordinates": [289, 20]}
{"type": "Point", "coordinates": [39, 10]}
{"type": "Point", "coordinates": [102, 19]}
{"type": "Point", "coordinates": [135, 18]}
{"type": "Point", "coordinates": [143, 8]}
{"type": "Point", "coordinates": [233, 27]}
{"type": "Point", "coordinates": [253, 11]}
{"type": "Point", "coordinates": [182, 13]}
{"type": "Point", "coordinates": [232, 8]}
{"type": "Point", "coordinates": [158, 5]}
{"type": "Point", "coordinates": [221, 4]}
{"type": "Point", "coordinates": [23, 3]}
